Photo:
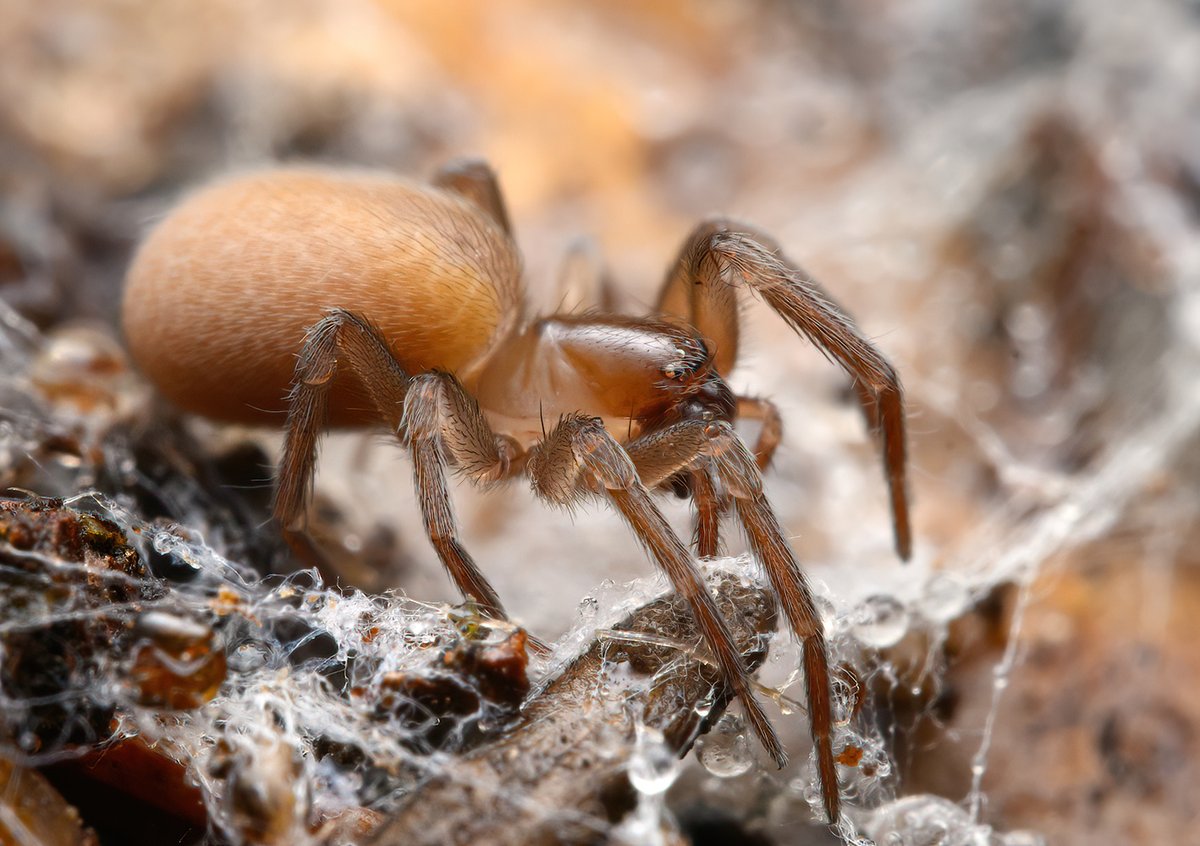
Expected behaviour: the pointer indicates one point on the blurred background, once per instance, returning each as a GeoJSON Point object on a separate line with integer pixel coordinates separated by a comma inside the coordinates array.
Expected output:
{"type": "Point", "coordinates": [1007, 198]}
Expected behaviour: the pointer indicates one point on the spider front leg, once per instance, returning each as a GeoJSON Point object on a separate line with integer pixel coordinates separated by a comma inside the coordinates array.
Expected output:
{"type": "Point", "coordinates": [579, 457]}
{"type": "Point", "coordinates": [713, 450]}
{"type": "Point", "coordinates": [709, 503]}
{"type": "Point", "coordinates": [700, 288]}
{"type": "Point", "coordinates": [430, 412]}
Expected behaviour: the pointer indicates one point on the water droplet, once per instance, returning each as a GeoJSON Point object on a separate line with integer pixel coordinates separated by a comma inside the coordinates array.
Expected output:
{"type": "Point", "coordinates": [945, 597]}
{"type": "Point", "coordinates": [166, 543]}
{"type": "Point", "coordinates": [880, 622]}
{"type": "Point", "coordinates": [653, 767]}
{"type": "Point", "coordinates": [725, 752]}
{"type": "Point", "coordinates": [248, 657]}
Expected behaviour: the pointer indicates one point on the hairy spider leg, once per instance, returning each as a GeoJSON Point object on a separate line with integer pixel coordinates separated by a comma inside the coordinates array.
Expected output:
{"type": "Point", "coordinates": [712, 450]}
{"type": "Point", "coordinates": [429, 412]}
{"type": "Point", "coordinates": [700, 288]}
{"type": "Point", "coordinates": [584, 282]}
{"type": "Point", "coordinates": [578, 457]}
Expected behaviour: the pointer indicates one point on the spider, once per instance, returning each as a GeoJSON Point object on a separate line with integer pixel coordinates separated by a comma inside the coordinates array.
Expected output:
{"type": "Point", "coordinates": [405, 305]}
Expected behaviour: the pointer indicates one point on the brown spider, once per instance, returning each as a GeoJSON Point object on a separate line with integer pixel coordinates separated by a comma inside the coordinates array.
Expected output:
{"type": "Point", "coordinates": [406, 305]}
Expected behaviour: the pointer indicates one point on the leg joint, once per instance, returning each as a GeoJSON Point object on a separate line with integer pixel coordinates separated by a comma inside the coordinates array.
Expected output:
{"type": "Point", "coordinates": [421, 417]}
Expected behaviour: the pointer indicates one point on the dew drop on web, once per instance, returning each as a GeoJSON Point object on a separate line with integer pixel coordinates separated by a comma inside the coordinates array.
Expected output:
{"type": "Point", "coordinates": [880, 622]}
{"type": "Point", "coordinates": [725, 751]}
{"type": "Point", "coordinates": [653, 767]}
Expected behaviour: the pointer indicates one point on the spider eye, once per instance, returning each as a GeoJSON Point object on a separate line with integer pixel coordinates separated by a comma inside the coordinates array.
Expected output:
{"type": "Point", "coordinates": [687, 362]}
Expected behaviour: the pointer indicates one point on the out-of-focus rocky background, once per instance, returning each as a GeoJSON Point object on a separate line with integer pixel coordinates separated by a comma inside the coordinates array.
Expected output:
{"type": "Point", "coordinates": [1007, 197]}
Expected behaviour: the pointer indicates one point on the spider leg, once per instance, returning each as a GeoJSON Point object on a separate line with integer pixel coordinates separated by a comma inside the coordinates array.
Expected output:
{"type": "Point", "coordinates": [655, 456]}
{"type": "Point", "coordinates": [668, 455]}
{"type": "Point", "coordinates": [709, 502]}
{"type": "Point", "coordinates": [430, 412]}
{"type": "Point", "coordinates": [578, 457]}
{"type": "Point", "coordinates": [714, 449]}
{"type": "Point", "coordinates": [584, 281]}
{"type": "Point", "coordinates": [701, 289]}
{"type": "Point", "coordinates": [737, 470]}
{"type": "Point", "coordinates": [441, 420]}
{"type": "Point", "coordinates": [771, 433]}
{"type": "Point", "coordinates": [710, 305]}
{"type": "Point", "coordinates": [709, 509]}
{"type": "Point", "coordinates": [475, 180]}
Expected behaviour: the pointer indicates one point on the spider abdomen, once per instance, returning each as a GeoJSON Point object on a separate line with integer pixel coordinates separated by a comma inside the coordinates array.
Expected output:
{"type": "Point", "coordinates": [221, 293]}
